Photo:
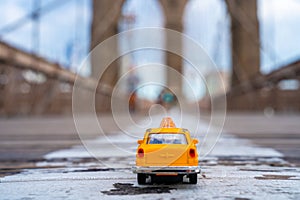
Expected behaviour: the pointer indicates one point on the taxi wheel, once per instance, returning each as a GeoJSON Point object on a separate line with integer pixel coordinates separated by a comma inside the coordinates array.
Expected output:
{"type": "Point", "coordinates": [193, 178]}
{"type": "Point", "coordinates": [141, 178]}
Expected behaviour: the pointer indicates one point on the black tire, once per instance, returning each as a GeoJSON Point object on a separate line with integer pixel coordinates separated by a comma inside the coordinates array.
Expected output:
{"type": "Point", "coordinates": [141, 178]}
{"type": "Point", "coordinates": [180, 178]}
{"type": "Point", "coordinates": [193, 178]}
{"type": "Point", "coordinates": [153, 179]}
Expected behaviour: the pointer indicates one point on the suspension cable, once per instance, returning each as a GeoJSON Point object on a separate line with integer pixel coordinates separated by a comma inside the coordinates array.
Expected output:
{"type": "Point", "coordinates": [39, 11]}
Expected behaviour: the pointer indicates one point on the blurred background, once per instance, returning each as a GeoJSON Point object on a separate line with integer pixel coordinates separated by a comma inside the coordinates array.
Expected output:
{"type": "Point", "coordinates": [254, 44]}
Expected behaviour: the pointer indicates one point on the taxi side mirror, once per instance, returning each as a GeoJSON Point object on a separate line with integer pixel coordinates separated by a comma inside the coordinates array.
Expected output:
{"type": "Point", "coordinates": [195, 141]}
{"type": "Point", "coordinates": [140, 141]}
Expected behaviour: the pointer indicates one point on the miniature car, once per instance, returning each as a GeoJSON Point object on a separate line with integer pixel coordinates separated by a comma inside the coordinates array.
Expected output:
{"type": "Point", "coordinates": [167, 151]}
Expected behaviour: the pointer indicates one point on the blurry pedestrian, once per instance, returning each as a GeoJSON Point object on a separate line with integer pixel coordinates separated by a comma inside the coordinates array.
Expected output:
{"type": "Point", "coordinates": [132, 83]}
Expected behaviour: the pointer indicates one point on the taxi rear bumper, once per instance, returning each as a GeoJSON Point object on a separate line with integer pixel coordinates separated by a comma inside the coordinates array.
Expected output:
{"type": "Point", "coordinates": [166, 170]}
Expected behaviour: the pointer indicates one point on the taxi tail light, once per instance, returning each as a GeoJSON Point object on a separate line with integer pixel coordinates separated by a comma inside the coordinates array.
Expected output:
{"type": "Point", "coordinates": [141, 153]}
{"type": "Point", "coordinates": [192, 153]}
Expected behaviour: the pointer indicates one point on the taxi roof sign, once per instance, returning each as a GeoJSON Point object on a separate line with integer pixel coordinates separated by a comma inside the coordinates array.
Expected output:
{"type": "Point", "coordinates": [167, 122]}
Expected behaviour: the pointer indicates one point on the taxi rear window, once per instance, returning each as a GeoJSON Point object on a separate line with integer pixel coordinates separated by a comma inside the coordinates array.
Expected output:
{"type": "Point", "coordinates": [167, 138]}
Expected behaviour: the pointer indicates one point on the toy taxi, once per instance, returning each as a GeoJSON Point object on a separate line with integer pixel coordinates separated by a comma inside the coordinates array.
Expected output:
{"type": "Point", "coordinates": [167, 151]}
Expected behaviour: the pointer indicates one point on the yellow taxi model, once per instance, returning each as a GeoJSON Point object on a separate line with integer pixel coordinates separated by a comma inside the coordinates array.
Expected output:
{"type": "Point", "coordinates": [167, 152]}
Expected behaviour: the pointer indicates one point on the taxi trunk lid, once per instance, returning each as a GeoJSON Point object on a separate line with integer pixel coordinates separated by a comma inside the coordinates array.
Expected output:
{"type": "Point", "coordinates": [166, 155]}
